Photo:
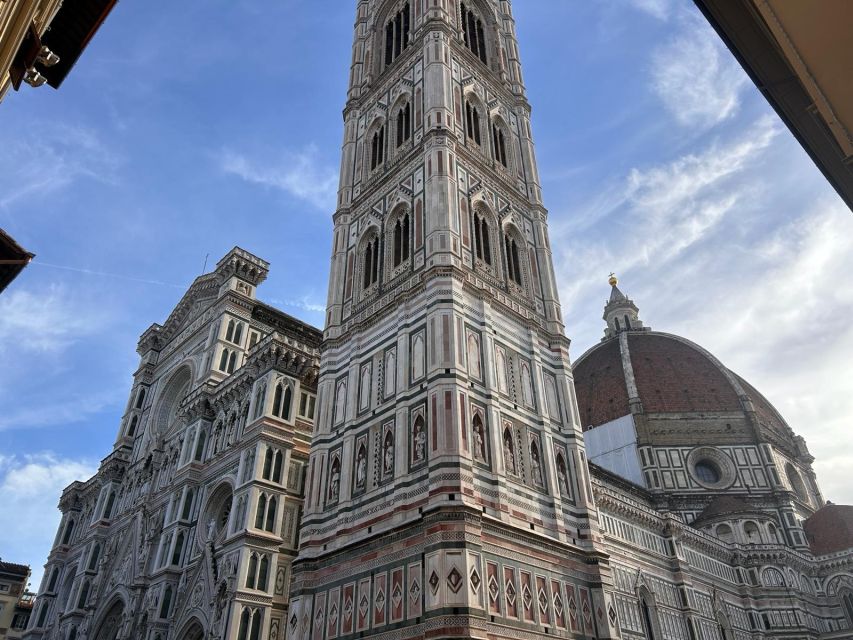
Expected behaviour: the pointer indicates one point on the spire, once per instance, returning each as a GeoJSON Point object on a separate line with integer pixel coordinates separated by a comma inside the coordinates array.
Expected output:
{"type": "Point", "coordinates": [620, 312]}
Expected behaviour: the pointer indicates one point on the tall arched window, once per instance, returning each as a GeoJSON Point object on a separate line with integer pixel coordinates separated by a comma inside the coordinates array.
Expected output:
{"type": "Point", "coordinates": [648, 618]}
{"type": "Point", "coordinates": [238, 333]}
{"type": "Point", "coordinates": [401, 239]}
{"type": "Point", "coordinates": [371, 263]}
{"type": "Point", "coordinates": [179, 547]}
{"type": "Point", "coordinates": [108, 507]}
{"type": "Point", "coordinates": [270, 523]}
{"type": "Point", "coordinates": [245, 617]}
{"type": "Point", "coordinates": [482, 241]}
{"type": "Point", "coordinates": [513, 261]}
{"type": "Point", "coordinates": [377, 148]}
{"type": "Point", "coordinates": [472, 123]}
{"type": "Point", "coordinates": [51, 586]}
{"type": "Point", "coordinates": [199, 447]}
{"type": "Point", "coordinates": [256, 625]}
{"type": "Point", "coordinates": [93, 558]}
{"type": "Point", "coordinates": [166, 604]}
{"type": "Point", "coordinates": [268, 457]}
{"type": "Point", "coordinates": [276, 474]}
{"type": "Point", "coordinates": [131, 430]}
{"type": "Point", "coordinates": [499, 142]}
{"type": "Point", "coordinates": [252, 571]}
{"type": "Point", "coordinates": [397, 34]}
{"type": "Point", "coordinates": [69, 530]}
{"type": "Point", "coordinates": [261, 512]}
{"type": "Point", "coordinates": [260, 396]}
{"type": "Point", "coordinates": [229, 332]}
{"type": "Point", "coordinates": [263, 573]}
{"type": "Point", "coordinates": [232, 362]}
{"type": "Point", "coordinates": [847, 603]}
{"type": "Point", "coordinates": [472, 28]}
{"type": "Point", "coordinates": [140, 398]}
{"type": "Point", "coordinates": [188, 505]}
{"type": "Point", "coordinates": [84, 595]}
{"type": "Point", "coordinates": [404, 124]}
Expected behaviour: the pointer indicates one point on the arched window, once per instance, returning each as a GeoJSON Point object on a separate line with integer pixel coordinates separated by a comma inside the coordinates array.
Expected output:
{"type": "Point", "coordinates": [223, 361]}
{"type": "Point", "coordinates": [648, 618]}
{"type": "Point", "coordinates": [260, 395]}
{"type": "Point", "coordinates": [199, 447]}
{"type": "Point", "coordinates": [232, 362]}
{"type": "Point", "coordinates": [93, 558]}
{"type": "Point", "coordinates": [627, 322]}
{"type": "Point", "coordinates": [472, 123]}
{"type": "Point", "coordinates": [724, 533]}
{"type": "Point", "coordinates": [256, 625]}
{"type": "Point", "coordinates": [270, 524]}
{"type": "Point", "coordinates": [397, 34]}
{"type": "Point", "coordinates": [773, 533]}
{"type": "Point", "coordinates": [179, 547]}
{"type": "Point", "coordinates": [772, 577]}
{"type": "Point", "coordinates": [252, 571]}
{"type": "Point", "coordinates": [616, 323]}
{"type": "Point", "coordinates": [499, 142]}
{"type": "Point", "coordinates": [51, 586]}
{"type": "Point", "coordinates": [482, 239]}
{"type": "Point", "coordinates": [229, 333]}
{"type": "Point", "coordinates": [268, 457]}
{"type": "Point", "coordinates": [513, 261]}
{"type": "Point", "coordinates": [108, 509]}
{"type": "Point", "coordinates": [263, 573]}
{"type": "Point", "coordinates": [238, 333]}
{"type": "Point", "coordinates": [847, 603]}
{"type": "Point", "coordinates": [84, 595]}
{"type": "Point", "coordinates": [243, 633]}
{"type": "Point", "coordinates": [140, 398]}
{"type": "Point", "coordinates": [472, 29]}
{"type": "Point", "coordinates": [166, 604]}
{"type": "Point", "coordinates": [131, 430]}
{"type": "Point", "coordinates": [261, 512]}
{"type": "Point", "coordinates": [188, 505]}
{"type": "Point", "coordinates": [286, 403]}
{"type": "Point", "coordinates": [69, 530]}
{"type": "Point", "coordinates": [276, 473]}
{"type": "Point", "coordinates": [404, 124]}
{"type": "Point", "coordinates": [377, 148]}
{"type": "Point", "coordinates": [72, 634]}
{"type": "Point", "coordinates": [401, 239]}
{"type": "Point", "coordinates": [371, 263]}
{"type": "Point", "coordinates": [751, 533]}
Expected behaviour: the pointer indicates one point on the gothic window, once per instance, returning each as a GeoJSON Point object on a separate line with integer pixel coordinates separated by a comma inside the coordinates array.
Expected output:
{"type": "Point", "coordinates": [140, 398]}
{"type": "Point", "coordinates": [256, 626]}
{"type": "Point", "coordinates": [72, 634]}
{"type": "Point", "coordinates": [282, 401]}
{"type": "Point", "coordinates": [270, 522]}
{"type": "Point", "coordinates": [268, 458]}
{"type": "Point", "coordinates": [847, 602]}
{"type": "Point", "coordinates": [69, 530]}
{"type": "Point", "coordinates": [131, 430]}
{"type": "Point", "coordinates": [772, 577]}
{"type": "Point", "coordinates": [84, 595]}
{"type": "Point", "coordinates": [179, 547]}
{"type": "Point", "coordinates": [228, 361]}
{"type": "Point", "coordinates": [54, 577]}
{"type": "Point", "coordinates": [188, 504]}
{"type": "Point", "coordinates": [627, 322]}
{"type": "Point", "coordinates": [482, 240]}
{"type": "Point", "coordinates": [648, 617]}
{"type": "Point", "coordinates": [238, 333]}
{"type": "Point", "coordinates": [232, 362]}
{"type": "Point", "coordinates": [472, 123]}
{"type": "Point", "coordinates": [108, 509]}
{"type": "Point", "coordinates": [472, 30]}
{"type": "Point", "coordinates": [499, 142]}
{"type": "Point", "coordinates": [404, 124]}
{"type": "Point", "coordinates": [229, 333]}
{"type": "Point", "coordinates": [401, 239]}
{"type": "Point", "coordinates": [199, 447]}
{"type": "Point", "coordinates": [252, 571]}
{"type": "Point", "coordinates": [724, 533]}
{"type": "Point", "coordinates": [261, 512]}
{"type": "Point", "coordinates": [397, 34]}
{"type": "Point", "coordinates": [371, 263]}
{"type": "Point", "coordinates": [166, 604]}
{"type": "Point", "coordinates": [276, 473]}
{"type": "Point", "coordinates": [93, 558]}
{"type": "Point", "coordinates": [43, 614]}
{"type": "Point", "coordinates": [263, 573]}
{"type": "Point", "coordinates": [377, 148]}
{"type": "Point", "coordinates": [260, 395]}
{"type": "Point", "coordinates": [245, 618]}
{"type": "Point", "coordinates": [513, 261]}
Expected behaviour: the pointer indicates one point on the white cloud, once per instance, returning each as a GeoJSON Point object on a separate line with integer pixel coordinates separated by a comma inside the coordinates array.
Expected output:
{"type": "Point", "coordinates": [306, 303]}
{"type": "Point", "coordinates": [50, 156]}
{"type": "Point", "coordinates": [695, 76]}
{"type": "Point", "coordinates": [300, 174]}
{"type": "Point", "coordinates": [31, 486]}
{"type": "Point", "coordinates": [659, 9]}
{"type": "Point", "coordinates": [61, 407]}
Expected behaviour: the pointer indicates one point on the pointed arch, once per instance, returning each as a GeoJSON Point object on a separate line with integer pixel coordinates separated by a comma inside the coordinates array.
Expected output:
{"type": "Point", "coordinates": [83, 595]}
{"type": "Point", "coordinates": [199, 447]}
{"type": "Point", "coordinates": [166, 603]}
{"type": "Point", "coordinates": [563, 476]}
{"type": "Point", "coordinates": [140, 397]}
{"type": "Point", "coordinates": [229, 333]}
{"type": "Point", "coordinates": [178, 551]}
{"type": "Point", "coordinates": [261, 512]}
{"type": "Point", "coordinates": [256, 625]}
{"type": "Point", "coordinates": [510, 458]}
{"type": "Point", "coordinates": [263, 573]}
{"type": "Point", "coordinates": [483, 232]}
{"type": "Point", "coordinates": [131, 430]}
{"type": "Point", "coordinates": [169, 400]}
{"type": "Point", "coordinates": [536, 464]}
{"type": "Point", "coordinates": [399, 236]}
{"type": "Point", "coordinates": [277, 467]}
{"type": "Point", "coordinates": [245, 618]}
{"type": "Point", "coordinates": [108, 507]}
{"type": "Point", "coordinates": [260, 398]}
{"type": "Point", "coordinates": [54, 577]}
{"type": "Point", "coordinates": [94, 556]}
{"type": "Point", "coordinates": [271, 509]}
{"type": "Point", "coordinates": [251, 571]}
{"type": "Point", "coordinates": [268, 460]}
{"type": "Point", "coordinates": [232, 362]}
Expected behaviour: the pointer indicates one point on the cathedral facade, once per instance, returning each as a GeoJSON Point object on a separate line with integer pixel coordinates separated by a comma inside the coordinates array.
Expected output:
{"type": "Point", "coordinates": [433, 465]}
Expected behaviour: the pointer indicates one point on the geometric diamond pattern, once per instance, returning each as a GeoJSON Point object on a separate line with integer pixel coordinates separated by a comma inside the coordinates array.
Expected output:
{"type": "Point", "coordinates": [454, 580]}
{"type": "Point", "coordinates": [475, 580]}
{"type": "Point", "coordinates": [510, 592]}
{"type": "Point", "coordinates": [433, 582]}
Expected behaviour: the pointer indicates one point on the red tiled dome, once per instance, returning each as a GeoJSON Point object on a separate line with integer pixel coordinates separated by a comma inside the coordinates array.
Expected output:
{"type": "Point", "coordinates": [672, 375]}
{"type": "Point", "coordinates": [830, 529]}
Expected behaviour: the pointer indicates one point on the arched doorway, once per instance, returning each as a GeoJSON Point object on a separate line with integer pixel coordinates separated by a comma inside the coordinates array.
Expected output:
{"type": "Point", "coordinates": [111, 623]}
{"type": "Point", "coordinates": [193, 631]}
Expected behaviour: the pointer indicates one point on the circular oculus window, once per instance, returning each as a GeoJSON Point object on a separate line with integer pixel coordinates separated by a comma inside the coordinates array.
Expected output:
{"type": "Point", "coordinates": [711, 468]}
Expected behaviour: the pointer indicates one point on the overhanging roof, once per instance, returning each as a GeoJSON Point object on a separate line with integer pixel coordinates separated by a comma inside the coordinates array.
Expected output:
{"type": "Point", "coordinates": [13, 258]}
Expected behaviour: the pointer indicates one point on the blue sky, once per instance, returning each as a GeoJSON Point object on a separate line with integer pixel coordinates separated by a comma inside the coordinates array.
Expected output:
{"type": "Point", "coordinates": [192, 127]}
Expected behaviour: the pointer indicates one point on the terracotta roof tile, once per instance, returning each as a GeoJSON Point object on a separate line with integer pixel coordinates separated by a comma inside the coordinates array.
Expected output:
{"type": "Point", "coordinates": [600, 385]}
{"type": "Point", "coordinates": [830, 529]}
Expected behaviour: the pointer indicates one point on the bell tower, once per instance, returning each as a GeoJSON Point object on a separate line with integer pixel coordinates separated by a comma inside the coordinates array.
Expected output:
{"type": "Point", "coordinates": [448, 492]}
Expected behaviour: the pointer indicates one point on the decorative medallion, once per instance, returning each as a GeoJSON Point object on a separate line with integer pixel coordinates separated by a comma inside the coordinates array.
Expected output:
{"type": "Point", "coordinates": [454, 580]}
{"type": "Point", "coordinates": [475, 580]}
{"type": "Point", "coordinates": [348, 608]}
{"type": "Point", "coordinates": [380, 600]}
{"type": "Point", "coordinates": [494, 590]}
{"type": "Point", "coordinates": [543, 602]}
{"type": "Point", "coordinates": [510, 592]}
{"type": "Point", "coordinates": [558, 605]}
{"type": "Point", "coordinates": [415, 591]}
{"type": "Point", "coordinates": [433, 582]}
{"type": "Point", "coordinates": [363, 604]}
{"type": "Point", "coordinates": [612, 615]}
{"type": "Point", "coordinates": [396, 595]}
{"type": "Point", "coordinates": [526, 596]}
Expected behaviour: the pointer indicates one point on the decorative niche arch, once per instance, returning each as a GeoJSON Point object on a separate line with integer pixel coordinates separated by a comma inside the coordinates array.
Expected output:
{"type": "Point", "coordinates": [515, 259]}
{"type": "Point", "coordinates": [217, 512]}
{"type": "Point", "coordinates": [394, 26]}
{"type": "Point", "coordinates": [401, 117]}
{"type": "Point", "coordinates": [399, 229]}
{"type": "Point", "coordinates": [368, 261]}
{"type": "Point", "coordinates": [475, 118]}
{"type": "Point", "coordinates": [649, 613]}
{"type": "Point", "coordinates": [478, 31]}
{"type": "Point", "coordinates": [111, 622]}
{"type": "Point", "coordinates": [500, 135]}
{"type": "Point", "coordinates": [174, 391]}
{"type": "Point", "coordinates": [375, 146]}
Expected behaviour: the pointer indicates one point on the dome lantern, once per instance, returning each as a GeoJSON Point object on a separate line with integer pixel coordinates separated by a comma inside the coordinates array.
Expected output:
{"type": "Point", "coordinates": [620, 312]}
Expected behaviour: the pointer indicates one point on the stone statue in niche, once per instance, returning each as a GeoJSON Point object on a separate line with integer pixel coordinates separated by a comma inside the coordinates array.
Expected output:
{"type": "Point", "coordinates": [335, 484]}
{"type": "Point", "coordinates": [420, 441]}
{"type": "Point", "coordinates": [563, 477]}
{"type": "Point", "coordinates": [474, 356]}
{"type": "Point", "coordinates": [537, 465]}
{"type": "Point", "coordinates": [388, 456]}
{"type": "Point", "coordinates": [509, 454]}
{"type": "Point", "coordinates": [361, 468]}
{"type": "Point", "coordinates": [479, 441]}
